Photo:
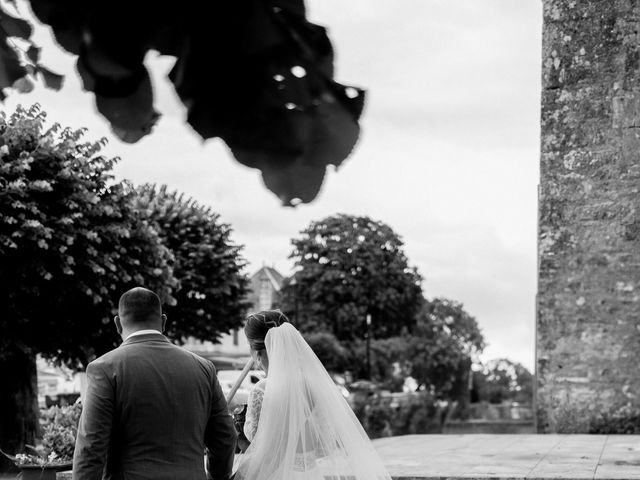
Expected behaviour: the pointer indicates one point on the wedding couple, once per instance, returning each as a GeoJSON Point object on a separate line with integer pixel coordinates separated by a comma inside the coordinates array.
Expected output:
{"type": "Point", "coordinates": [151, 408]}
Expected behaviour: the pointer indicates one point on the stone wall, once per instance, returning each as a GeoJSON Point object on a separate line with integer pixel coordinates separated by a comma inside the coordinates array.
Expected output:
{"type": "Point", "coordinates": [588, 338]}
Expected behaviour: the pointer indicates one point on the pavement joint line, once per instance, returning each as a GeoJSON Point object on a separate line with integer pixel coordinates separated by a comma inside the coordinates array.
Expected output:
{"type": "Point", "coordinates": [558, 442]}
{"type": "Point", "coordinates": [604, 444]}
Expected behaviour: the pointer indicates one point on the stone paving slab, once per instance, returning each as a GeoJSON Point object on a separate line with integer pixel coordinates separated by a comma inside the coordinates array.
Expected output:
{"type": "Point", "coordinates": [509, 457]}
{"type": "Point", "coordinates": [512, 457]}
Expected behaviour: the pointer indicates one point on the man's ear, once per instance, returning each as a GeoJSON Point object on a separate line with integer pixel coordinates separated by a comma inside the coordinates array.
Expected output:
{"type": "Point", "coordinates": [118, 323]}
{"type": "Point", "coordinates": [164, 322]}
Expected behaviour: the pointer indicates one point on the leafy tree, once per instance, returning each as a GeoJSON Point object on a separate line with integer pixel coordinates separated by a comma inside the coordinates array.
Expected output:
{"type": "Point", "coordinates": [348, 267]}
{"type": "Point", "coordinates": [211, 288]}
{"type": "Point", "coordinates": [440, 352]}
{"type": "Point", "coordinates": [333, 355]}
{"type": "Point", "coordinates": [389, 366]}
{"type": "Point", "coordinates": [450, 317]}
{"type": "Point", "coordinates": [504, 380]}
{"type": "Point", "coordinates": [69, 238]}
{"type": "Point", "coordinates": [71, 241]}
{"type": "Point", "coordinates": [258, 75]}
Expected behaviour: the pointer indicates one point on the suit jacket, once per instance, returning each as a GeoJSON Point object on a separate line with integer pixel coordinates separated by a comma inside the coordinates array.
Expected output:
{"type": "Point", "coordinates": [149, 411]}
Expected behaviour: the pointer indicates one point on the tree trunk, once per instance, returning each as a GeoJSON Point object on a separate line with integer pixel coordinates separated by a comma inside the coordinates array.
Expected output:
{"type": "Point", "coordinates": [461, 390]}
{"type": "Point", "coordinates": [18, 403]}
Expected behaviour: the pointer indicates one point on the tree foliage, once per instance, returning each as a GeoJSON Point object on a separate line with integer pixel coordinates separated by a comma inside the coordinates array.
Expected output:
{"type": "Point", "coordinates": [70, 241]}
{"type": "Point", "coordinates": [347, 267]}
{"type": "Point", "coordinates": [503, 380]}
{"type": "Point", "coordinates": [210, 291]}
{"type": "Point", "coordinates": [256, 74]}
{"type": "Point", "coordinates": [333, 355]}
{"type": "Point", "coordinates": [73, 240]}
{"type": "Point", "coordinates": [437, 354]}
{"type": "Point", "coordinates": [446, 341]}
{"type": "Point", "coordinates": [350, 266]}
{"type": "Point", "coordinates": [388, 358]}
{"type": "Point", "coordinates": [442, 315]}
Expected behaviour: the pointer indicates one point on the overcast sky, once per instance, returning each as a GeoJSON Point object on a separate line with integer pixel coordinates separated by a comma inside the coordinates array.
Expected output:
{"type": "Point", "coordinates": [448, 155]}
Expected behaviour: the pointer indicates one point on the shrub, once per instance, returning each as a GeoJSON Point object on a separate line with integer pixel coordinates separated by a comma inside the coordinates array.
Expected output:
{"type": "Point", "coordinates": [625, 420]}
{"type": "Point", "coordinates": [60, 430]}
{"type": "Point", "coordinates": [391, 415]}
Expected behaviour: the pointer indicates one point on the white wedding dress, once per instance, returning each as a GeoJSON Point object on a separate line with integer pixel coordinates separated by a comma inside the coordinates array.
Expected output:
{"type": "Point", "coordinates": [299, 424]}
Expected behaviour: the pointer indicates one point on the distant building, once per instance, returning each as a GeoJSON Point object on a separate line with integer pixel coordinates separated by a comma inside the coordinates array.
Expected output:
{"type": "Point", "coordinates": [263, 288]}
{"type": "Point", "coordinates": [57, 385]}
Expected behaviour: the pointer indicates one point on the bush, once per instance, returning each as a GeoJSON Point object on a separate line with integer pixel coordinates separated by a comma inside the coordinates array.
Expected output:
{"type": "Point", "coordinates": [377, 421]}
{"type": "Point", "coordinates": [420, 413]}
{"type": "Point", "coordinates": [60, 428]}
{"type": "Point", "coordinates": [333, 355]}
{"type": "Point", "coordinates": [580, 419]}
{"type": "Point", "coordinates": [59, 431]}
{"type": "Point", "coordinates": [625, 420]}
{"type": "Point", "coordinates": [400, 414]}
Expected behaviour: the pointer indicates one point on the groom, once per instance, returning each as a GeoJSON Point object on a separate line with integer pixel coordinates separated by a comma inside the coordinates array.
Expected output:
{"type": "Point", "coordinates": [151, 407]}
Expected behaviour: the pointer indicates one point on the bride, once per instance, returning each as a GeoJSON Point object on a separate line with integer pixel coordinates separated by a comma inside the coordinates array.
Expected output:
{"type": "Point", "coordinates": [298, 422]}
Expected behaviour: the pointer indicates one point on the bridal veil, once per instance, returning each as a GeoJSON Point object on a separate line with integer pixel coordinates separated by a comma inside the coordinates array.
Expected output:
{"type": "Point", "coordinates": [306, 431]}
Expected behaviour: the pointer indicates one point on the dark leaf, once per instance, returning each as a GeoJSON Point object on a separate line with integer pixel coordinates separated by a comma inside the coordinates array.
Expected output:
{"type": "Point", "coordinates": [295, 7]}
{"type": "Point", "coordinates": [51, 80]}
{"type": "Point", "coordinates": [66, 20]}
{"type": "Point", "coordinates": [34, 54]}
{"type": "Point", "coordinates": [131, 117]}
{"type": "Point", "coordinates": [293, 182]}
{"type": "Point", "coordinates": [10, 68]}
{"type": "Point", "coordinates": [309, 42]}
{"type": "Point", "coordinates": [330, 135]}
{"type": "Point", "coordinates": [14, 27]}
{"type": "Point", "coordinates": [258, 75]}
{"type": "Point", "coordinates": [23, 85]}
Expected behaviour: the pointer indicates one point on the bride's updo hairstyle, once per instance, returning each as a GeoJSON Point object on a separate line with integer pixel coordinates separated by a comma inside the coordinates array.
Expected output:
{"type": "Point", "coordinates": [258, 324]}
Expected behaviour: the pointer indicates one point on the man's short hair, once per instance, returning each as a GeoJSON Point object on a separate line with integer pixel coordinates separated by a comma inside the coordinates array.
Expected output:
{"type": "Point", "coordinates": [139, 305]}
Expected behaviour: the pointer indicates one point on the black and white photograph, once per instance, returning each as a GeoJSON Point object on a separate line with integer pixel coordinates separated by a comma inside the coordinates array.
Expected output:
{"type": "Point", "coordinates": [320, 240]}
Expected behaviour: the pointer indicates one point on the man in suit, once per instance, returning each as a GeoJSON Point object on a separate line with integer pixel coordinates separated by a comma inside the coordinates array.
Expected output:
{"type": "Point", "coordinates": [151, 407]}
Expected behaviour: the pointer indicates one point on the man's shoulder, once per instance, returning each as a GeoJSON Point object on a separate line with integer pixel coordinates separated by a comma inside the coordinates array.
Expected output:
{"type": "Point", "coordinates": [106, 359]}
{"type": "Point", "coordinates": [120, 354]}
{"type": "Point", "coordinates": [195, 356]}
{"type": "Point", "coordinates": [206, 364]}
{"type": "Point", "coordinates": [202, 362]}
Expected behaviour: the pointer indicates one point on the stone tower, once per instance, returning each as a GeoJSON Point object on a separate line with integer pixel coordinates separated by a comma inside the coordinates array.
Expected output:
{"type": "Point", "coordinates": [588, 325]}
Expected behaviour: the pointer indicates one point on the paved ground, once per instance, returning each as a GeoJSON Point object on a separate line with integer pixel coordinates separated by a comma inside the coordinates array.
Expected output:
{"type": "Point", "coordinates": [509, 457]}
{"type": "Point", "coordinates": [513, 457]}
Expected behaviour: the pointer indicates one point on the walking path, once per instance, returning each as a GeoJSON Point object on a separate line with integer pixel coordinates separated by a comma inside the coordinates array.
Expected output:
{"type": "Point", "coordinates": [512, 457]}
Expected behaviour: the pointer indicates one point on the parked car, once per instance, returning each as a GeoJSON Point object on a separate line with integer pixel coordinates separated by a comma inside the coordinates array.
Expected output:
{"type": "Point", "coordinates": [228, 379]}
